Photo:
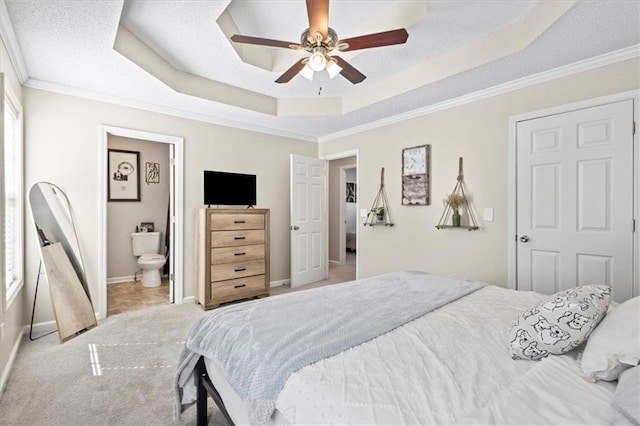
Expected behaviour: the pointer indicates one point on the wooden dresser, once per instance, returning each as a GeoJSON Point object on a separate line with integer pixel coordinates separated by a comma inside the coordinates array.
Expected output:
{"type": "Point", "coordinates": [232, 255]}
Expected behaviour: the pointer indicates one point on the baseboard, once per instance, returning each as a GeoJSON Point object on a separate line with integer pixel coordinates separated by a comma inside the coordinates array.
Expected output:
{"type": "Point", "coordinates": [279, 283]}
{"type": "Point", "coordinates": [41, 327]}
{"type": "Point", "coordinates": [337, 262]}
{"type": "Point", "coordinates": [7, 369]}
{"type": "Point", "coordinates": [116, 280]}
{"type": "Point", "coordinates": [190, 299]}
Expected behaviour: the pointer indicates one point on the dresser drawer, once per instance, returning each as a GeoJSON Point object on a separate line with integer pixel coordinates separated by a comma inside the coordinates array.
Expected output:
{"type": "Point", "coordinates": [236, 254]}
{"type": "Point", "coordinates": [224, 222]}
{"type": "Point", "coordinates": [229, 271]}
{"type": "Point", "coordinates": [241, 286]}
{"type": "Point", "coordinates": [237, 238]}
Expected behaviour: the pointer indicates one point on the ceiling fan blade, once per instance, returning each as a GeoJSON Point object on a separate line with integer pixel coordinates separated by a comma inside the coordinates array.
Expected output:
{"type": "Point", "coordinates": [292, 72]}
{"type": "Point", "coordinates": [386, 38]}
{"type": "Point", "coordinates": [318, 13]}
{"type": "Point", "coordinates": [264, 41]}
{"type": "Point", "coordinates": [348, 71]}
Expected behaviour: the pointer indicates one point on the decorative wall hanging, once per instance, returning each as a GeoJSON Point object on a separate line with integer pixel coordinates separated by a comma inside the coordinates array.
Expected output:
{"type": "Point", "coordinates": [147, 226]}
{"type": "Point", "coordinates": [351, 192]}
{"type": "Point", "coordinates": [152, 172]}
{"type": "Point", "coordinates": [415, 176]}
{"type": "Point", "coordinates": [379, 213]}
{"type": "Point", "coordinates": [456, 205]}
{"type": "Point", "coordinates": [124, 175]}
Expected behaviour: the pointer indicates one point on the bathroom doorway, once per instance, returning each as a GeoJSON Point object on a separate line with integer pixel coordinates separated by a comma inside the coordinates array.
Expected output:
{"type": "Point", "coordinates": [142, 226]}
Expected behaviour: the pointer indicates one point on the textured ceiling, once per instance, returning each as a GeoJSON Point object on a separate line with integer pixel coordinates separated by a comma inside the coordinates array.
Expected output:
{"type": "Point", "coordinates": [69, 44]}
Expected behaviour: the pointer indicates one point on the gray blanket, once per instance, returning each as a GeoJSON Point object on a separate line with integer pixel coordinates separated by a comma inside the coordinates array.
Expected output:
{"type": "Point", "coordinates": [261, 343]}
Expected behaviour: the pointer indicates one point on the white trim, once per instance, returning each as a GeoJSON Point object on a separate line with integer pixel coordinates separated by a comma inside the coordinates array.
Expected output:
{"type": "Point", "coordinates": [162, 109]}
{"type": "Point", "coordinates": [41, 327]}
{"type": "Point", "coordinates": [512, 206]}
{"type": "Point", "coordinates": [14, 289]}
{"type": "Point", "coordinates": [178, 255]}
{"type": "Point", "coordinates": [338, 156]}
{"type": "Point", "coordinates": [341, 155]}
{"type": "Point", "coordinates": [566, 70]}
{"type": "Point", "coordinates": [9, 365]}
{"type": "Point", "coordinates": [512, 174]}
{"type": "Point", "coordinates": [13, 292]}
{"type": "Point", "coordinates": [11, 42]}
{"type": "Point", "coordinates": [189, 299]}
{"type": "Point", "coordinates": [279, 283]}
{"type": "Point", "coordinates": [336, 262]}
{"type": "Point", "coordinates": [123, 279]}
{"type": "Point", "coordinates": [342, 246]}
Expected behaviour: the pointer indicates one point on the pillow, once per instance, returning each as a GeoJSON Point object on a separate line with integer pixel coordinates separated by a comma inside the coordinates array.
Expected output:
{"type": "Point", "coordinates": [559, 324]}
{"type": "Point", "coordinates": [625, 399]}
{"type": "Point", "coordinates": [615, 344]}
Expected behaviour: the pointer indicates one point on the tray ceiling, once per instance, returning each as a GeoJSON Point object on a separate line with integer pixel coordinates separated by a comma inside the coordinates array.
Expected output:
{"type": "Point", "coordinates": [103, 50]}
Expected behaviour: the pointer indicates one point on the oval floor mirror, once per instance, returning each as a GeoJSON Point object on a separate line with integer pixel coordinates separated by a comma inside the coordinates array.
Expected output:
{"type": "Point", "coordinates": [62, 260]}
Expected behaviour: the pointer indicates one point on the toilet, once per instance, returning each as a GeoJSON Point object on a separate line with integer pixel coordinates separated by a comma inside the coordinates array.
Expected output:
{"type": "Point", "coordinates": [146, 245]}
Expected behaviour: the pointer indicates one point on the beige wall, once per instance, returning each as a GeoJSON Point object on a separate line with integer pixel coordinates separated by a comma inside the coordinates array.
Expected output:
{"type": "Point", "coordinates": [479, 133]}
{"type": "Point", "coordinates": [62, 136]}
{"type": "Point", "coordinates": [11, 316]}
{"type": "Point", "coordinates": [123, 217]}
{"type": "Point", "coordinates": [336, 201]}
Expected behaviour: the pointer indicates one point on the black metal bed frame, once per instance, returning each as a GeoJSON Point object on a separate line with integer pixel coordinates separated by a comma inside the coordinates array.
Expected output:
{"type": "Point", "coordinates": [206, 388]}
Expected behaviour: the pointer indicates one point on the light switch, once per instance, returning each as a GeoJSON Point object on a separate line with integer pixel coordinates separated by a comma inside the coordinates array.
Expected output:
{"type": "Point", "coordinates": [363, 213]}
{"type": "Point", "coordinates": [488, 214]}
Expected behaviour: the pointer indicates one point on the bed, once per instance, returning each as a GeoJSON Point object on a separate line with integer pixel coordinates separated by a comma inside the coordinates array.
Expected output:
{"type": "Point", "coordinates": [448, 365]}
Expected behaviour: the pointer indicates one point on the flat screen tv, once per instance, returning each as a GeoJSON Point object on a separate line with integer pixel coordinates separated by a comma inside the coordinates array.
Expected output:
{"type": "Point", "coordinates": [230, 189]}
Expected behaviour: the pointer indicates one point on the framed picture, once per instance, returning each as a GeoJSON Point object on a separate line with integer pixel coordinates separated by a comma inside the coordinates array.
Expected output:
{"type": "Point", "coordinates": [152, 172]}
{"type": "Point", "coordinates": [415, 176]}
{"type": "Point", "coordinates": [147, 226]}
{"type": "Point", "coordinates": [351, 192]}
{"type": "Point", "coordinates": [123, 175]}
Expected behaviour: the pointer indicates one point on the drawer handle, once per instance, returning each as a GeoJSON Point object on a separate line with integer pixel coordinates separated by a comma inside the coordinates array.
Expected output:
{"type": "Point", "coordinates": [239, 221]}
{"type": "Point", "coordinates": [239, 238]}
{"type": "Point", "coordinates": [239, 286]}
{"type": "Point", "coordinates": [240, 269]}
{"type": "Point", "coordinates": [239, 254]}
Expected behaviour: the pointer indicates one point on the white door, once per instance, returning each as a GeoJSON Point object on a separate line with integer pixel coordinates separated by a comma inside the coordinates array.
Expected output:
{"type": "Point", "coordinates": [308, 221]}
{"type": "Point", "coordinates": [575, 200]}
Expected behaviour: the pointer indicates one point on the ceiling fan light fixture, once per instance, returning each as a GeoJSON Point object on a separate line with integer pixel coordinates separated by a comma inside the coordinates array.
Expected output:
{"type": "Point", "coordinates": [333, 68]}
{"type": "Point", "coordinates": [307, 72]}
{"type": "Point", "coordinates": [317, 61]}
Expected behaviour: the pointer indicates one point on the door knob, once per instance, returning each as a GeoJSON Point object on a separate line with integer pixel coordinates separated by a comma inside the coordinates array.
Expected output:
{"type": "Point", "coordinates": [524, 239]}
{"type": "Point", "coordinates": [295, 228]}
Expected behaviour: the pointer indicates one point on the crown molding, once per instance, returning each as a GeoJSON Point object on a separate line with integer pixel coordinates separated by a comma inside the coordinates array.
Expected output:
{"type": "Point", "coordinates": [11, 42]}
{"type": "Point", "coordinates": [584, 65]}
{"type": "Point", "coordinates": [566, 70]}
{"type": "Point", "coordinates": [162, 109]}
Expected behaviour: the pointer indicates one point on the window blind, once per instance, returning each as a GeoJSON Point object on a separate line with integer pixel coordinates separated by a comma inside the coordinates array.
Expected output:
{"type": "Point", "coordinates": [11, 193]}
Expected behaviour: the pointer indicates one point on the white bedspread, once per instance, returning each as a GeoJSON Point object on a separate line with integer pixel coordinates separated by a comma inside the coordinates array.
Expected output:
{"type": "Point", "coordinates": [449, 366]}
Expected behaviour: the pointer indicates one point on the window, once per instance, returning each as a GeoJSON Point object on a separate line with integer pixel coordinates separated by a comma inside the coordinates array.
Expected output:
{"type": "Point", "coordinates": [13, 198]}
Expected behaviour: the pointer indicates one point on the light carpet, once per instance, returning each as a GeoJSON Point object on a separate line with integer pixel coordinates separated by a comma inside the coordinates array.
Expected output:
{"type": "Point", "coordinates": [129, 382]}
{"type": "Point", "coordinates": [119, 373]}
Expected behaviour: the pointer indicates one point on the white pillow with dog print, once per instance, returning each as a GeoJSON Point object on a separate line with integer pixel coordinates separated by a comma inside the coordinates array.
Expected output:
{"type": "Point", "coordinates": [559, 324]}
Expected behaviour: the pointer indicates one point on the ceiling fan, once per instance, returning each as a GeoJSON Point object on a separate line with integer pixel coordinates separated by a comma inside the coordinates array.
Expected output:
{"type": "Point", "coordinates": [320, 41]}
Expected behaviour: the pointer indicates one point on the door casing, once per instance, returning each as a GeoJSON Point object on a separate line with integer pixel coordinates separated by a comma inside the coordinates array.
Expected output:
{"type": "Point", "coordinates": [178, 203]}
{"type": "Point", "coordinates": [512, 168]}
{"type": "Point", "coordinates": [338, 156]}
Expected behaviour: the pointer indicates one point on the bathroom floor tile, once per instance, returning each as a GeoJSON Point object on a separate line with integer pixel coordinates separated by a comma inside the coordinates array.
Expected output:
{"type": "Point", "coordinates": [133, 296]}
